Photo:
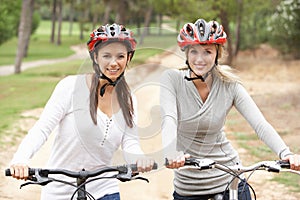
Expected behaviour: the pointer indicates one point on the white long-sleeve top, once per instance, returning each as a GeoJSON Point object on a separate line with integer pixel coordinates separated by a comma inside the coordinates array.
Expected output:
{"type": "Point", "coordinates": [78, 142]}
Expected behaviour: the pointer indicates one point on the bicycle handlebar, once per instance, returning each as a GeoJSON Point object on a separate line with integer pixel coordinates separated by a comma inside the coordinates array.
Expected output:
{"type": "Point", "coordinates": [40, 176]}
{"type": "Point", "coordinates": [83, 173]}
{"type": "Point", "coordinates": [271, 166]}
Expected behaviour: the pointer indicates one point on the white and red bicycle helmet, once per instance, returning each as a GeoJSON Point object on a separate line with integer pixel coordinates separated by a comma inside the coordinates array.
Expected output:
{"type": "Point", "coordinates": [201, 32]}
{"type": "Point", "coordinates": [112, 32]}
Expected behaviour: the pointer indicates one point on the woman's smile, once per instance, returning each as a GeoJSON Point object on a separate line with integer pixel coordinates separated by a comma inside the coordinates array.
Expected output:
{"type": "Point", "coordinates": [112, 60]}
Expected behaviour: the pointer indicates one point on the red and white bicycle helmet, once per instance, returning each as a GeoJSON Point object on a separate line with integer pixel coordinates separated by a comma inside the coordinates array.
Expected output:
{"type": "Point", "coordinates": [201, 32]}
{"type": "Point", "coordinates": [111, 32]}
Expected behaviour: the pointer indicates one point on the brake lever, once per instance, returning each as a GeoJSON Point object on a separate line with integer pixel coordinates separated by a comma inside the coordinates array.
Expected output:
{"type": "Point", "coordinates": [125, 176]}
{"type": "Point", "coordinates": [130, 175]}
{"type": "Point", "coordinates": [141, 178]}
{"type": "Point", "coordinates": [37, 179]}
{"type": "Point", "coordinates": [45, 182]}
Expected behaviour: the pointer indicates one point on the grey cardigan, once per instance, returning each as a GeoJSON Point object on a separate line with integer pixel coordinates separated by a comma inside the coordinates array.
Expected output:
{"type": "Point", "coordinates": [197, 128]}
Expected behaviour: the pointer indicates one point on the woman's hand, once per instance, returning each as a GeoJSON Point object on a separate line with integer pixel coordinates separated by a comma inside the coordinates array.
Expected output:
{"type": "Point", "coordinates": [145, 164]}
{"type": "Point", "coordinates": [294, 161]}
{"type": "Point", "coordinates": [177, 160]}
{"type": "Point", "coordinates": [19, 171]}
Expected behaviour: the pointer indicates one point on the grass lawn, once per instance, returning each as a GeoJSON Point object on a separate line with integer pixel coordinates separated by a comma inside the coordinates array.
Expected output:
{"type": "Point", "coordinates": [32, 87]}
{"type": "Point", "coordinates": [28, 90]}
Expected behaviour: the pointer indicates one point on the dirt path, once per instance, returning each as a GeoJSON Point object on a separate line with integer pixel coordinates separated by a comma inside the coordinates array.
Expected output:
{"type": "Point", "coordinates": [261, 81]}
{"type": "Point", "coordinates": [80, 53]}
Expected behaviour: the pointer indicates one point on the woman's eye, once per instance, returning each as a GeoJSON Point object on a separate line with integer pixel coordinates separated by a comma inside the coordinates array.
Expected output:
{"type": "Point", "coordinates": [121, 56]}
{"type": "Point", "coordinates": [194, 52]}
{"type": "Point", "coordinates": [207, 52]}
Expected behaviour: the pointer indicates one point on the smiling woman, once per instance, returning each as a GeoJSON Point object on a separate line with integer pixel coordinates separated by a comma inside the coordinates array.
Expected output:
{"type": "Point", "coordinates": [195, 102]}
{"type": "Point", "coordinates": [95, 114]}
{"type": "Point", "coordinates": [112, 60]}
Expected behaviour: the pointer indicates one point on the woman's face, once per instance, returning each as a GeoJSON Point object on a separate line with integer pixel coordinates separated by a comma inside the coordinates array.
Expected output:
{"type": "Point", "coordinates": [201, 58]}
{"type": "Point", "coordinates": [112, 59]}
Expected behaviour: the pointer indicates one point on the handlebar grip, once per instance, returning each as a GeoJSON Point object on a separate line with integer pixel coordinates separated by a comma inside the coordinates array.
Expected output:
{"type": "Point", "coordinates": [31, 171]}
{"type": "Point", "coordinates": [134, 167]}
{"type": "Point", "coordinates": [284, 164]}
{"type": "Point", "coordinates": [188, 161]}
{"type": "Point", "coordinates": [7, 172]}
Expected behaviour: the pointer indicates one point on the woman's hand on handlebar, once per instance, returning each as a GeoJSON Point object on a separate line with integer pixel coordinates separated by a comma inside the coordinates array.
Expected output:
{"type": "Point", "coordinates": [145, 164]}
{"type": "Point", "coordinates": [19, 171]}
{"type": "Point", "coordinates": [294, 161]}
{"type": "Point", "coordinates": [177, 161]}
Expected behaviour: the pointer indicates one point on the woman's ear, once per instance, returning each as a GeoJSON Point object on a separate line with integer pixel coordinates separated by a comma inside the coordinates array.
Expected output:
{"type": "Point", "coordinates": [95, 58]}
{"type": "Point", "coordinates": [130, 55]}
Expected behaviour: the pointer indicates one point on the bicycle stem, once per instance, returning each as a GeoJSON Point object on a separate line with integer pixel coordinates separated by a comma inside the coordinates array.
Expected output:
{"type": "Point", "coordinates": [233, 189]}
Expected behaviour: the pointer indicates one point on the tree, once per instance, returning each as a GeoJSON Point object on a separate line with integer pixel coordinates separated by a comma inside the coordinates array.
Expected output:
{"type": "Point", "coordinates": [52, 37]}
{"type": "Point", "coordinates": [10, 16]}
{"type": "Point", "coordinates": [284, 27]}
{"type": "Point", "coordinates": [24, 32]}
{"type": "Point", "coordinates": [108, 9]}
{"type": "Point", "coordinates": [239, 15]}
{"type": "Point", "coordinates": [71, 16]}
{"type": "Point", "coordinates": [122, 10]}
{"type": "Point", "coordinates": [60, 7]}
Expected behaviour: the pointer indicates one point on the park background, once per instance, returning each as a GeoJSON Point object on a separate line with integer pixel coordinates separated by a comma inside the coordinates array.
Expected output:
{"type": "Point", "coordinates": [263, 47]}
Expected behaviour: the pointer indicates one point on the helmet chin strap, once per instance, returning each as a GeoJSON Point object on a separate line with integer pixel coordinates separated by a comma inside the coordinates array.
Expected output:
{"type": "Point", "coordinates": [202, 78]}
{"type": "Point", "coordinates": [110, 82]}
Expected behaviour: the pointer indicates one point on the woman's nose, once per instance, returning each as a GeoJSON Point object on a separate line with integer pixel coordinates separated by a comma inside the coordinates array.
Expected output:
{"type": "Point", "coordinates": [113, 61]}
{"type": "Point", "coordinates": [199, 58]}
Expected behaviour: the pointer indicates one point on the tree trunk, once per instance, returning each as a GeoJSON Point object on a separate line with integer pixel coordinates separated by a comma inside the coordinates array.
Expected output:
{"type": "Point", "coordinates": [52, 38]}
{"type": "Point", "coordinates": [95, 14]}
{"type": "Point", "coordinates": [108, 9]}
{"type": "Point", "coordinates": [238, 27]}
{"type": "Point", "coordinates": [121, 12]}
{"type": "Point", "coordinates": [147, 24]}
{"type": "Point", "coordinates": [60, 5]}
{"type": "Point", "coordinates": [159, 18]}
{"type": "Point", "coordinates": [71, 17]}
{"type": "Point", "coordinates": [27, 41]}
{"type": "Point", "coordinates": [24, 32]}
{"type": "Point", "coordinates": [225, 24]}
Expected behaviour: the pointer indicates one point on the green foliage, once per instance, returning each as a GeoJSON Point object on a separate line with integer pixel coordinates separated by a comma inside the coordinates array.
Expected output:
{"type": "Point", "coordinates": [39, 48]}
{"type": "Point", "coordinates": [10, 12]}
{"type": "Point", "coordinates": [9, 19]}
{"type": "Point", "coordinates": [29, 90]}
{"type": "Point", "coordinates": [289, 180]}
{"type": "Point", "coordinates": [35, 22]}
{"type": "Point", "coordinates": [285, 27]}
{"type": "Point", "coordinates": [254, 29]}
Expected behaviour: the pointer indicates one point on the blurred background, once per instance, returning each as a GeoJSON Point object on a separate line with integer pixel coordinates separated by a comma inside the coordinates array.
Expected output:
{"type": "Point", "coordinates": [42, 41]}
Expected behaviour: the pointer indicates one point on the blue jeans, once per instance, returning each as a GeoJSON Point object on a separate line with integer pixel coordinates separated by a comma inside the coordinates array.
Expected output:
{"type": "Point", "coordinates": [114, 196]}
{"type": "Point", "coordinates": [244, 194]}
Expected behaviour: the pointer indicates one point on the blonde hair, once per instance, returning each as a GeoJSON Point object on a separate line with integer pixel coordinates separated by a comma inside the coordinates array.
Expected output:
{"type": "Point", "coordinates": [224, 72]}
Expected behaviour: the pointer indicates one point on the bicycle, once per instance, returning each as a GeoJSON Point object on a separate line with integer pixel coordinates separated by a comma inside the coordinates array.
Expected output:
{"type": "Point", "coordinates": [41, 177]}
{"type": "Point", "coordinates": [236, 171]}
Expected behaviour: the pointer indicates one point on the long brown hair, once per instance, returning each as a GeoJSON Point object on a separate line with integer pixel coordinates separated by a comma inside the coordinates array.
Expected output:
{"type": "Point", "coordinates": [122, 89]}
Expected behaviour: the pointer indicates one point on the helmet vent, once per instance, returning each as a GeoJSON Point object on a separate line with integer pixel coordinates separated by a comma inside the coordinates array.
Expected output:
{"type": "Point", "coordinates": [201, 29]}
{"type": "Point", "coordinates": [190, 31]}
